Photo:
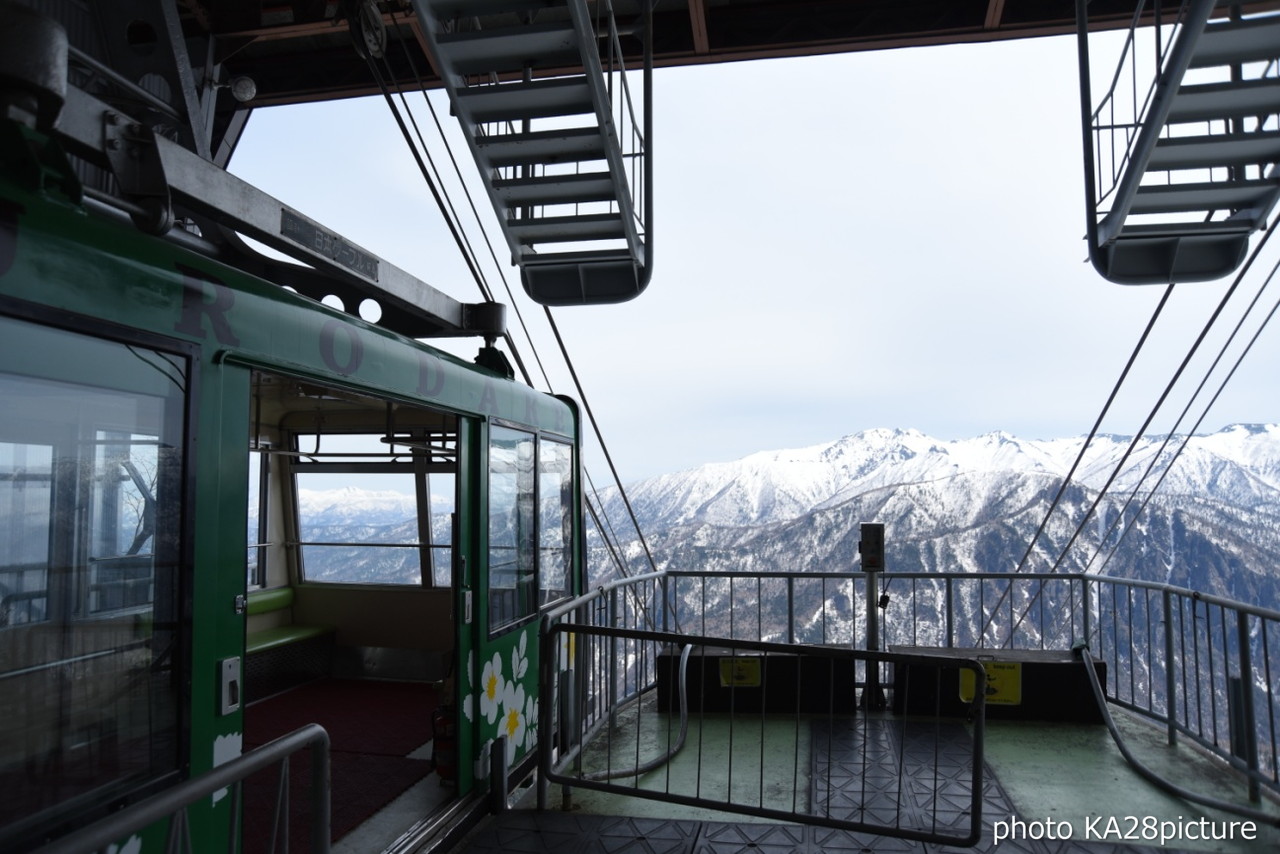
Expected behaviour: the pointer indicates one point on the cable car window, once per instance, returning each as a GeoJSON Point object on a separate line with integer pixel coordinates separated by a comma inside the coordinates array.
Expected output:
{"type": "Point", "coordinates": [555, 519]}
{"type": "Point", "coordinates": [512, 528]}
{"type": "Point", "coordinates": [26, 489]}
{"type": "Point", "coordinates": [363, 533]}
{"type": "Point", "coordinates": [92, 450]}
{"type": "Point", "coordinates": [374, 485]}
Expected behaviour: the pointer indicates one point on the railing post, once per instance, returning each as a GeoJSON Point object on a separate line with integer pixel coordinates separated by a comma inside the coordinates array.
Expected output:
{"type": "Point", "coordinates": [1170, 678]}
{"type": "Point", "coordinates": [320, 805]}
{"type": "Point", "coordinates": [548, 706]}
{"type": "Point", "coordinates": [950, 613]}
{"type": "Point", "coordinates": [666, 603]}
{"type": "Point", "coordinates": [1249, 737]}
{"type": "Point", "coordinates": [1086, 620]}
{"type": "Point", "coordinates": [791, 609]}
{"type": "Point", "coordinates": [613, 658]}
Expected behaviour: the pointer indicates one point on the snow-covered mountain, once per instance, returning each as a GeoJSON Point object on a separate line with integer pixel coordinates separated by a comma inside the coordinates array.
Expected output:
{"type": "Point", "coordinates": [965, 505]}
{"type": "Point", "coordinates": [974, 505]}
{"type": "Point", "coordinates": [353, 504]}
{"type": "Point", "coordinates": [368, 516]}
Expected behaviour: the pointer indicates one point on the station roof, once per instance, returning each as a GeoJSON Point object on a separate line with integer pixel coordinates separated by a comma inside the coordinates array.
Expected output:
{"type": "Point", "coordinates": [302, 51]}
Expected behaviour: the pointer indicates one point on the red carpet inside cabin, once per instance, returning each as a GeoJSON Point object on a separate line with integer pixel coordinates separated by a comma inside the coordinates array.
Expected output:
{"type": "Point", "coordinates": [372, 727]}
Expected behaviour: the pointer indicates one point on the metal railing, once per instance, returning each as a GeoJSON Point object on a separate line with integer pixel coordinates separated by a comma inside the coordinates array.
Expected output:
{"type": "Point", "coordinates": [1121, 113]}
{"type": "Point", "coordinates": [1203, 667]}
{"type": "Point", "coordinates": [772, 730]}
{"type": "Point", "coordinates": [633, 133]}
{"type": "Point", "coordinates": [172, 803]}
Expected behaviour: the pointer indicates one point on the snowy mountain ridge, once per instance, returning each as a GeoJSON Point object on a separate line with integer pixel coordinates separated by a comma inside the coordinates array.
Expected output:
{"type": "Point", "coordinates": [964, 505]}
{"type": "Point", "coordinates": [776, 486]}
{"type": "Point", "coordinates": [974, 505]}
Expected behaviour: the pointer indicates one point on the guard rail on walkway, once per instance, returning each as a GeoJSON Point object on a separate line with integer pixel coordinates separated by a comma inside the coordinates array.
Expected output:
{"type": "Point", "coordinates": [774, 730]}
{"type": "Point", "coordinates": [1203, 667]}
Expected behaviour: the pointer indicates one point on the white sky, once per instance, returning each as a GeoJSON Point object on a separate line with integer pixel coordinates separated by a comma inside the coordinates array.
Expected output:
{"type": "Point", "coordinates": [888, 239]}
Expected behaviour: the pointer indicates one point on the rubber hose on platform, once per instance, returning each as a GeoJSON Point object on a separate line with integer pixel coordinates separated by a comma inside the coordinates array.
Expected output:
{"type": "Point", "coordinates": [684, 731]}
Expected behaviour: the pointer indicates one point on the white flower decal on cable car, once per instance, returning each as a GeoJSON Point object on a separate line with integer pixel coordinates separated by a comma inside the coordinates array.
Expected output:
{"type": "Point", "coordinates": [519, 658]}
{"type": "Point", "coordinates": [531, 721]}
{"type": "Point", "coordinates": [514, 724]}
{"type": "Point", "coordinates": [492, 688]}
{"type": "Point", "coordinates": [132, 846]}
{"type": "Point", "coordinates": [469, 697]}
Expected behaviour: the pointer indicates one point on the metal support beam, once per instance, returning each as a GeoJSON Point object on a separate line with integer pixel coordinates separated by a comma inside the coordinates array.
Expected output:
{"type": "Point", "coordinates": [409, 305]}
{"type": "Point", "coordinates": [995, 14]}
{"type": "Point", "coordinates": [698, 25]}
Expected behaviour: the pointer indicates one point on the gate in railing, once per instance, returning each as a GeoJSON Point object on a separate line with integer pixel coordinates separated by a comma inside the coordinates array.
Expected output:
{"type": "Point", "coordinates": [1203, 667]}
{"type": "Point", "coordinates": [772, 730]}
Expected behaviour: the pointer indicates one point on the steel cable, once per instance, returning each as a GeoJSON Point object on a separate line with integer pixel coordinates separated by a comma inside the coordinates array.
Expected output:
{"type": "Point", "coordinates": [453, 222]}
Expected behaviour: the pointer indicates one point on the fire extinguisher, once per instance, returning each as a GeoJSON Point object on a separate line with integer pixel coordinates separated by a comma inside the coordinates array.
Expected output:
{"type": "Point", "coordinates": [444, 739]}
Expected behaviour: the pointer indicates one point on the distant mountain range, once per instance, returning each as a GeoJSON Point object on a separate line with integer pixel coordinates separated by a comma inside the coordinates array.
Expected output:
{"type": "Point", "coordinates": [967, 505]}
{"type": "Point", "coordinates": [974, 505]}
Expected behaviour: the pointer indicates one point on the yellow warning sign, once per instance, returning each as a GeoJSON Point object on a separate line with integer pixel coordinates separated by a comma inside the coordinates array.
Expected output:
{"type": "Point", "coordinates": [740, 673]}
{"type": "Point", "coordinates": [1004, 683]}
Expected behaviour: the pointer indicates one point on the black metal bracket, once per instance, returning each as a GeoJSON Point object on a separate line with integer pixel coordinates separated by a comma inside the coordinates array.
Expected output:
{"type": "Point", "coordinates": [131, 153]}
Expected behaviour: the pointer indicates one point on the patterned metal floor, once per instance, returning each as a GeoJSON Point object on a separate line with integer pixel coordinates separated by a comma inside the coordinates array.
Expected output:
{"type": "Point", "coordinates": [855, 773]}
{"type": "Point", "coordinates": [897, 773]}
{"type": "Point", "coordinates": [531, 832]}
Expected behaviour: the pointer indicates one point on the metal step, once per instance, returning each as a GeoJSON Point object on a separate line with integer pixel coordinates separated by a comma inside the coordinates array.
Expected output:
{"type": "Point", "coordinates": [566, 229]}
{"type": "Point", "coordinates": [559, 96]}
{"type": "Point", "coordinates": [1225, 195]}
{"type": "Point", "coordinates": [1227, 42]}
{"type": "Point", "coordinates": [1209, 101]}
{"type": "Point", "coordinates": [474, 42]}
{"type": "Point", "coordinates": [1181, 259]}
{"type": "Point", "coordinates": [588, 279]}
{"type": "Point", "coordinates": [551, 146]}
{"type": "Point", "coordinates": [557, 189]}
{"type": "Point", "coordinates": [550, 45]}
{"type": "Point", "coordinates": [1193, 228]}
{"type": "Point", "coordinates": [1199, 152]}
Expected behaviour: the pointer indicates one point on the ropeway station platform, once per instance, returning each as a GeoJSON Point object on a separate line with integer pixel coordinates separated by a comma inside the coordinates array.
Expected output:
{"type": "Point", "coordinates": [1049, 788]}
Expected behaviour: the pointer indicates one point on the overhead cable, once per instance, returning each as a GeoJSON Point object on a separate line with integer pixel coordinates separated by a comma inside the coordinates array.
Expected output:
{"type": "Point", "coordinates": [600, 438]}
{"type": "Point", "coordinates": [1186, 438]}
{"type": "Point", "coordinates": [466, 191]}
{"type": "Point", "coordinates": [1093, 432]}
{"type": "Point", "coordinates": [431, 176]}
{"type": "Point", "coordinates": [1155, 409]}
{"type": "Point", "coordinates": [1066, 480]}
{"type": "Point", "coordinates": [1240, 277]}
{"type": "Point", "coordinates": [443, 202]}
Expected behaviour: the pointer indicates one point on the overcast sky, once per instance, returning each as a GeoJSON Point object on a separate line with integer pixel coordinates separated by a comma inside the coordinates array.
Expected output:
{"type": "Point", "coordinates": [888, 239]}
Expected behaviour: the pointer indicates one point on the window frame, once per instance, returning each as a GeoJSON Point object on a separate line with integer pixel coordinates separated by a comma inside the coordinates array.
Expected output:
{"type": "Point", "coordinates": [256, 572]}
